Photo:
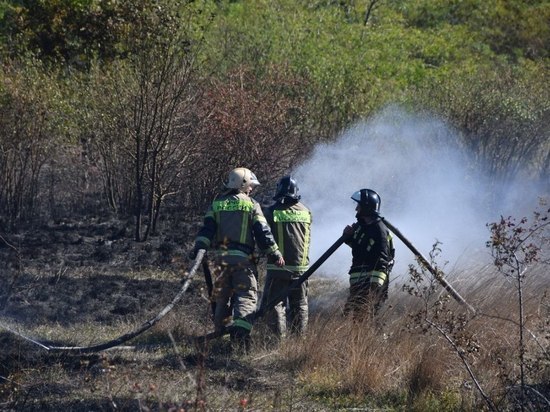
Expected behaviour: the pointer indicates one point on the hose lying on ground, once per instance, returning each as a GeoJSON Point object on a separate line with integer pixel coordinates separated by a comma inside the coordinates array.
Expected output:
{"type": "Point", "coordinates": [253, 316]}
{"type": "Point", "coordinates": [126, 337]}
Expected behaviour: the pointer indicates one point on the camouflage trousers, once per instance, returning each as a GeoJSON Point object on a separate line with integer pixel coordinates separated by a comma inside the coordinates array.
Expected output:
{"type": "Point", "coordinates": [235, 293]}
{"type": "Point", "coordinates": [290, 314]}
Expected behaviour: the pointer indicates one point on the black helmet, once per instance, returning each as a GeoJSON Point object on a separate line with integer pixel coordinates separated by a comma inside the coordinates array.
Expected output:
{"type": "Point", "coordinates": [287, 187]}
{"type": "Point", "coordinates": [369, 201]}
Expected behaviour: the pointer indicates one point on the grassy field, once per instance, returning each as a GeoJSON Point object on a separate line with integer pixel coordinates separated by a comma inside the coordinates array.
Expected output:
{"type": "Point", "coordinates": [423, 353]}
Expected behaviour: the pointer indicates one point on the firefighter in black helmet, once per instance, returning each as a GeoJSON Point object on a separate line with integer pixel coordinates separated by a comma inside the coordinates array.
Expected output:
{"type": "Point", "coordinates": [290, 222]}
{"type": "Point", "coordinates": [372, 256]}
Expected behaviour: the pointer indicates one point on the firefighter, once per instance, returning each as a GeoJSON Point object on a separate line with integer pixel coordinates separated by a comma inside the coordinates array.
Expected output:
{"type": "Point", "coordinates": [372, 256]}
{"type": "Point", "coordinates": [232, 227]}
{"type": "Point", "coordinates": [290, 222]}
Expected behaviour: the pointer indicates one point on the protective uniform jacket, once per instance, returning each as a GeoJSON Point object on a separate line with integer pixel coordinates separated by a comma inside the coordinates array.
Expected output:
{"type": "Point", "coordinates": [372, 252]}
{"type": "Point", "coordinates": [291, 226]}
{"type": "Point", "coordinates": [233, 224]}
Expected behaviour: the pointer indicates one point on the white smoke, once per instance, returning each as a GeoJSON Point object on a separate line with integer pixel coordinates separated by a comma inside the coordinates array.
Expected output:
{"type": "Point", "coordinates": [431, 190]}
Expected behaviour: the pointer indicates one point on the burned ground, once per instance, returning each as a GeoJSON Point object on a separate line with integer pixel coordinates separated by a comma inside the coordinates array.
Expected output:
{"type": "Point", "coordinates": [79, 284]}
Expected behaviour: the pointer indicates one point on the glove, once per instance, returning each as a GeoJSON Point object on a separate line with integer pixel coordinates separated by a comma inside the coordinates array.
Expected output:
{"type": "Point", "coordinates": [193, 254]}
{"type": "Point", "coordinates": [279, 260]}
{"type": "Point", "coordinates": [348, 231]}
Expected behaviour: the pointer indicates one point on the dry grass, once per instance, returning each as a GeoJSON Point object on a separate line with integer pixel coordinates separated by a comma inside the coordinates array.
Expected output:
{"type": "Point", "coordinates": [397, 362]}
{"type": "Point", "coordinates": [400, 358]}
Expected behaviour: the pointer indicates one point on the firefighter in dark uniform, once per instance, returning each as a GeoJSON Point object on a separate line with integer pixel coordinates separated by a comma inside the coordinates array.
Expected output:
{"type": "Point", "coordinates": [290, 222]}
{"type": "Point", "coordinates": [372, 256]}
{"type": "Point", "coordinates": [233, 226]}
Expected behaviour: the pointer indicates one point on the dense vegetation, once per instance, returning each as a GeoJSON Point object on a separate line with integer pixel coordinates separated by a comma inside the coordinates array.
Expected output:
{"type": "Point", "coordinates": [140, 100]}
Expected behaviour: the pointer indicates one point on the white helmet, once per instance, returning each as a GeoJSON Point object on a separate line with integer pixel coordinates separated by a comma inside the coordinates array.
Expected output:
{"type": "Point", "coordinates": [241, 179]}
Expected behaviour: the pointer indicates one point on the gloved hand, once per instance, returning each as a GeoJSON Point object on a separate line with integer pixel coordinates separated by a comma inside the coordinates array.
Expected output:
{"type": "Point", "coordinates": [348, 231]}
{"type": "Point", "coordinates": [193, 254]}
{"type": "Point", "coordinates": [279, 260]}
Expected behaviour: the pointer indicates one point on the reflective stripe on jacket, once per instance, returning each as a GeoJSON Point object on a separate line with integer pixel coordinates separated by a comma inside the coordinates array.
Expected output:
{"type": "Point", "coordinates": [374, 277]}
{"type": "Point", "coordinates": [371, 249]}
{"type": "Point", "coordinates": [291, 226]}
{"type": "Point", "coordinates": [234, 223]}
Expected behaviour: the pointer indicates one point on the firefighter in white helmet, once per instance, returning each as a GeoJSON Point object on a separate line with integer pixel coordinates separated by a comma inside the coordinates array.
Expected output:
{"type": "Point", "coordinates": [290, 221]}
{"type": "Point", "coordinates": [232, 227]}
{"type": "Point", "coordinates": [372, 256]}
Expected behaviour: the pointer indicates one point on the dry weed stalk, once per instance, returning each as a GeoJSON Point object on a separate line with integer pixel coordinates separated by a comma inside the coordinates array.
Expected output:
{"type": "Point", "coordinates": [507, 341]}
{"type": "Point", "coordinates": [517, 246]}
{"type": "Point", "coordinates": [438, 314]}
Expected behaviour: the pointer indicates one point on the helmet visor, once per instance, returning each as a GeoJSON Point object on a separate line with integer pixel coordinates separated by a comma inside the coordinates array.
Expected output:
{"type": "Point", "coordinates": [357, 196]}
{"type": "Point", "coordinates": [254, 180]}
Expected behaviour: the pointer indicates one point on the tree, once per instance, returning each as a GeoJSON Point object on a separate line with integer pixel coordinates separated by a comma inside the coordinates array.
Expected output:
{"type": "Point", "coordinates": [252, 122]}
{"type": "Point", "coordinates": [143, 112]}
{"type": "Point", "coordinates": [71, 32]}
{"type": "Point", "coordinates": [516, 247]}
{"type": "Point", "coordinates": [28, 136]}
{"type": "Point", "coordinates": [502, 113]}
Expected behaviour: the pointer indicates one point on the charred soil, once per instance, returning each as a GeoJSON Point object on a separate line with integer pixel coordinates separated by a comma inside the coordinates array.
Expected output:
{"type": "Point", "coordinates": [84, 283]}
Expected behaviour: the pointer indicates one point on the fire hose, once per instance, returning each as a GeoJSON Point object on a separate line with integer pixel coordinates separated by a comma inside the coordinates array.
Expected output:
{"type": "Point", "coordinates": [251, 318]}
{"type": "Point", "coordinates": [438, 275]}
{"type": "Point", "coordinates": [126, 337]}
